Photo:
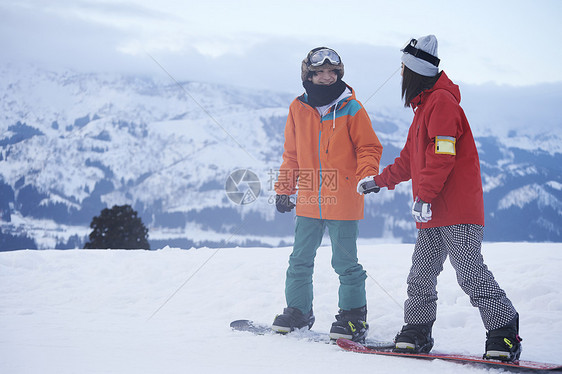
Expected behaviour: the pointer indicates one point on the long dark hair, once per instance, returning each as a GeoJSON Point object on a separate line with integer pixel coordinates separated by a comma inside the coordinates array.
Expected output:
{"type": "Point", "coordinates": [413, 84]}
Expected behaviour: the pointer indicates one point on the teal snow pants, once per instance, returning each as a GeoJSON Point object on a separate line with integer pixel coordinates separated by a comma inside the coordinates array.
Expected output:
{"type": "Point", "coordinates": [308, 237]}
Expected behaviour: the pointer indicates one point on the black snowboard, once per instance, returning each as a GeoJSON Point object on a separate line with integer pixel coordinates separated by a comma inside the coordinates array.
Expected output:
{"type": "Point", "coordinates": [263, 329]}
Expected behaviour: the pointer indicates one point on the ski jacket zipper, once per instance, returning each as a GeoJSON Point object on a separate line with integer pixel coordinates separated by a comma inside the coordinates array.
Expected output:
{"type": "Point", "coordinates": [320, 177]}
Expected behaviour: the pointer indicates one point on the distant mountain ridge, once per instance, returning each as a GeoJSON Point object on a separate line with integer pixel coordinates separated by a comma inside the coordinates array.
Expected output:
{"type": "Point", "coordinates": [72, 144]}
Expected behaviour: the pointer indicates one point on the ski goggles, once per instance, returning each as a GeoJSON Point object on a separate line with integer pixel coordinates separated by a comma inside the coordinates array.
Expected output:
{"type": "Point", "coordinates": [410, 47]}
{"type": "Point", "coordinates": [319, 57]}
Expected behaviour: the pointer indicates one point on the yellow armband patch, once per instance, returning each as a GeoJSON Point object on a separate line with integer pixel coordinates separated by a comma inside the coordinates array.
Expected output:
{"type": "Point", "coordinates": [445, 145]}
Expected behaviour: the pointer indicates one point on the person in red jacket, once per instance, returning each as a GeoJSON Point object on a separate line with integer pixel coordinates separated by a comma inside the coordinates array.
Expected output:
{"type": "Point", "coordinates": [330, 147]}
{"type": "Point", "coordinates": [441, 159]}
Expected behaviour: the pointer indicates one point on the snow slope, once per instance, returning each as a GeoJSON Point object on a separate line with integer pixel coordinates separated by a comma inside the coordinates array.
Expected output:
{"type": "Point", "coordinates": [168, 311]}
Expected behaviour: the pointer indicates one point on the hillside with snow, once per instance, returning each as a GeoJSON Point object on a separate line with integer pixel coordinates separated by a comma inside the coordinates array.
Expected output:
{"type": "Point", "coordinates": [72, 144]}
{"type": "Point", "coordinates": [168, 311]}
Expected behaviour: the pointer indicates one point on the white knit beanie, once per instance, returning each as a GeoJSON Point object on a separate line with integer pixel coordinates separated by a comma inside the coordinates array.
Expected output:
{"type": "Point", "coordinates": [427, 44]}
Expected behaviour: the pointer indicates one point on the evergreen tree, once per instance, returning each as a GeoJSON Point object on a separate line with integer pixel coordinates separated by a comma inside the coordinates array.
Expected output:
{"type": "Point", "coordinates": [118, 228]}
{"type": "Point", "coordinates": [9, 242]}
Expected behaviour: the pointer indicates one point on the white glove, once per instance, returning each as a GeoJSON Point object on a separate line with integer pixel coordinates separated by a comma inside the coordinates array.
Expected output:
{"type": "Point", "coordinates": [421, 211]}
{"type": "Point", "coordinates": [367, 185]}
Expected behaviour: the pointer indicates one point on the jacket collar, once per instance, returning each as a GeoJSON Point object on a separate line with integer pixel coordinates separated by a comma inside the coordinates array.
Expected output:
{"type": "Point", "coordinates": [443, 83]}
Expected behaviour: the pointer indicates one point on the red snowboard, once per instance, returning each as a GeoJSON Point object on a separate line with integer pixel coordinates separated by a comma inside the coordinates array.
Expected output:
{"type": "Point", "coordinates": [348, 345]}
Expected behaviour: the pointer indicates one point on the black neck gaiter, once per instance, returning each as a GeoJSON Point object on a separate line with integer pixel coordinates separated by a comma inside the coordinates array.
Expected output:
{"type": "Point", "coordinates": [319, 95]}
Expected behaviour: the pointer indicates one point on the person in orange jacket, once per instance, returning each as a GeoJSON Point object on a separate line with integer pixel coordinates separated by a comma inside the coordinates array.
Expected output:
{"type": "Point", "coordinates": [441, 159]}
{"type": "Point", "coordinates": [330, 146]}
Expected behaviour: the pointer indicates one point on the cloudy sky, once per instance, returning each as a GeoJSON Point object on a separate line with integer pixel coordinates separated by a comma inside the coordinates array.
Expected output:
{"type": "Point", "coordinates": [504, 54]}
{"type": "Point", "coordinates": [261, 43]}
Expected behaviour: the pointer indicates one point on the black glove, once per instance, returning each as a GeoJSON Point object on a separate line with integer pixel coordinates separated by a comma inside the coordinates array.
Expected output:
{"type": "Point", "coordinates": [283, 203]}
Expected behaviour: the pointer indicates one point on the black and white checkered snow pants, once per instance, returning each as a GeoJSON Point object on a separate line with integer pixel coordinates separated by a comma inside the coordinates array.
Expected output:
{"type": "Point", "coordinates": [462, 243]}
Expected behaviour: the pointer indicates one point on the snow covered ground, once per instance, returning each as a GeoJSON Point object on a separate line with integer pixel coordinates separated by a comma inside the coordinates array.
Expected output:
{"type": "Point", "coordinates": [168, 311]}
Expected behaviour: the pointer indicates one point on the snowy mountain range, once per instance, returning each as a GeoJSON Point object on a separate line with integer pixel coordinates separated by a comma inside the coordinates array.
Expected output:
{"type": "Point", "coordinates": [72, 144]}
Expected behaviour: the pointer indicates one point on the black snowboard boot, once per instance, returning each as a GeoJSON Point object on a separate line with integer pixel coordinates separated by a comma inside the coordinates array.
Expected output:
{"type": "Point", "coordinates": [292, 319]}
{"type": "Point", "coordinates": [414, 339]}
{"type": "Point", "coordinates": [350, 324]}
{"type": "Point", "coordinates": [504, 343]}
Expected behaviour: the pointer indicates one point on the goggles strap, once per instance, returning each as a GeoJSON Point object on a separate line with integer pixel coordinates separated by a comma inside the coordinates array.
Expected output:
{"type": "Point", "coordinates": [421, 54]}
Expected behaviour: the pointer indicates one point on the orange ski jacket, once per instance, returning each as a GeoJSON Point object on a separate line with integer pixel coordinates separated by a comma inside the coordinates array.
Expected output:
{"type": "Point", "coordinates": [325, 157]}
